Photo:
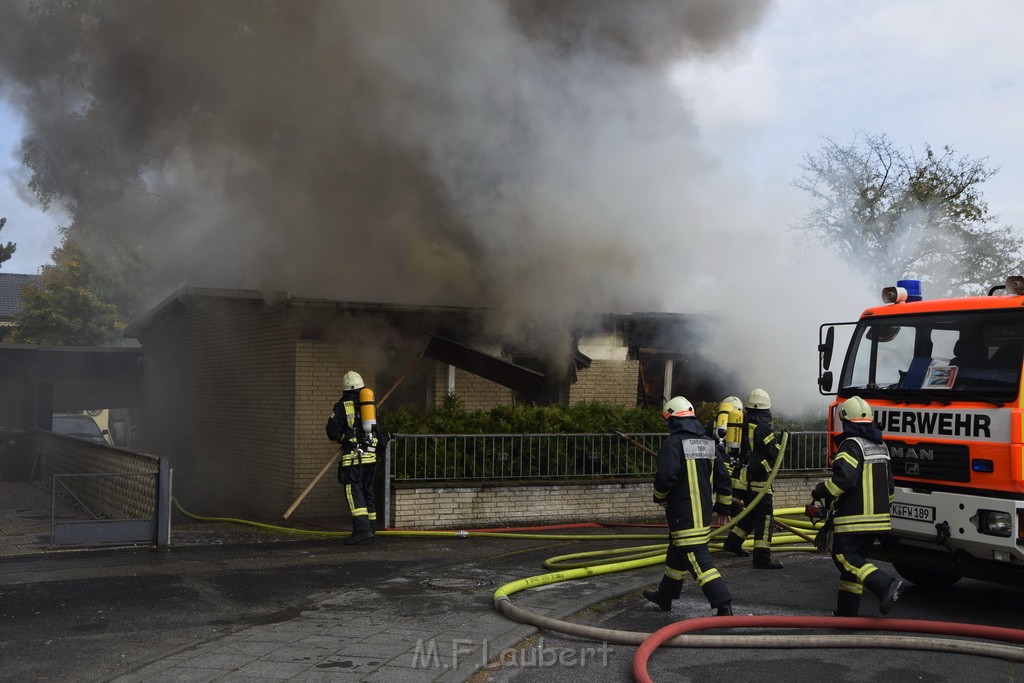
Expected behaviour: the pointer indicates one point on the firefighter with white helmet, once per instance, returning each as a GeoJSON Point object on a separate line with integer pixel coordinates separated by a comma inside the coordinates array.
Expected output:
{"type": "Point", "coordinates": [759, 450]}
{"type": "Point", "coordinates": [729, 424]}
{"type": "Point", "coordinates": [858, 494]}
{"type": "Point", "coordinates": [692, 484]}
{"type": "Point", "coordinates": [353, 424]}
{"type": "Point", "coordinates": [728, 429]}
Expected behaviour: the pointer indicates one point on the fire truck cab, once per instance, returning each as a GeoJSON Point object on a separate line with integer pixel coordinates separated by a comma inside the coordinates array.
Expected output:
{"type": "Point", "coordinates": [943, 378]}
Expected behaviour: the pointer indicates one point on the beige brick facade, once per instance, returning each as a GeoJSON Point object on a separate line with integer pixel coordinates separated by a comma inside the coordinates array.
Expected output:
{"type": "Point", "coordinates": [237, 391]}
{"type": "Point", "coordinates": [607, 381]}
{"type": "Point", "coordinates": [475, 392]}
{"type": "Point", "coordinates": [489, 505]}
{"type": "Point", "coordinates": [219, 389]}
{"type": "Point", "coordinates": [117, 494]}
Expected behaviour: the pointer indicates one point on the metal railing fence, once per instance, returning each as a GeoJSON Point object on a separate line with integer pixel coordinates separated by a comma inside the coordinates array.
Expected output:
{"type": "Point", "coordinates": [476, 457]}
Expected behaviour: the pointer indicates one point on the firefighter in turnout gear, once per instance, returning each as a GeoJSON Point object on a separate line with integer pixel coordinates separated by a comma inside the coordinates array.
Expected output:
{"type": "Point", "coordinates": [859, 493]}
{"type": "Point", "coordinates": [759, 450]}
{"type": "Point", "coordinates": [728, 429]}
{"type": "Point", "coordinates": [353, 424]}
{"type": "Point", "coordinates": [691, 473]}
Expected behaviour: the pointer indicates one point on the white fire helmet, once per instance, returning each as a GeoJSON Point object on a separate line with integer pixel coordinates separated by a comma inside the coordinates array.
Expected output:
{"type": "Point", "coordinates": [758, 399]}
{"type": "Point", "coordinates": [351, 381]}
{"type": "Point", "coordinates": [856, 409]}
{"type": "Point", "coordinates": [677, 406]}
{"type": "Point", "coordinates": [733, 401]}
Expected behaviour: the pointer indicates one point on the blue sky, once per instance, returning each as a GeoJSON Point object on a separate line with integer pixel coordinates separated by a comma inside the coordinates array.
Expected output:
{"type": "Point", "coordinates": [922, 72]}
{"type": "Point", "coordinates": [34, 231]}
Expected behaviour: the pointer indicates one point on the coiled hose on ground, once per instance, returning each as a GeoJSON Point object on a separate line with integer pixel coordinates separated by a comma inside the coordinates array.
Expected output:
{"type": "Point", "coordinates": [799, 537]}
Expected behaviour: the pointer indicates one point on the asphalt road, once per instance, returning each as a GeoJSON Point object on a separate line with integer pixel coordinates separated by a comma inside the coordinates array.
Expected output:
{"type": "Point", "coordinates": [804, 587]}
{"type": "Point", "coordinates": [98, 615]}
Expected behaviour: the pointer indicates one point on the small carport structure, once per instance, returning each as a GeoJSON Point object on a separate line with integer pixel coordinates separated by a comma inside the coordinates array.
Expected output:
{"type": "Point", "coordinates": [37, 381]}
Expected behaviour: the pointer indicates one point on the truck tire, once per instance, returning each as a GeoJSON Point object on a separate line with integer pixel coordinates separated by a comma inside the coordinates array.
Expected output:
{"type": "Point", "coordinates": [926, 577]}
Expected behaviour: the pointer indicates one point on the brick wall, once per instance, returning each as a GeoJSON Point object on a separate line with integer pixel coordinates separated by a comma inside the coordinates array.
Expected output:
{"type": "Point", "coordinates": [490, 505]}
{"type": "Point", "coordinates": [476, 392]}
{"type": "Point", "coordinates": [521, 504]}
{"type": "Point", "coordinates": [794, 489]}
{"type": "Point", "coordinates": [607, 381]}
{"type": "Point", "coordinates": [219, 389]}
{"type": "Point", "coordinates": [238, 400]}
{"type": "Point", "coordinates": [124, 497]}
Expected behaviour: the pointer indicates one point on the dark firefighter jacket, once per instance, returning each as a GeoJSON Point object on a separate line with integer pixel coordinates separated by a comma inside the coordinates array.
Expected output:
{"type": "Point", "coordinates": [760, 447]}
{"type": "Point", "coordinates": [358, 447]}
{"type": "Point", "coordinates": [861, 483]}
{"type": "Point", "coordinates": [690, 468]}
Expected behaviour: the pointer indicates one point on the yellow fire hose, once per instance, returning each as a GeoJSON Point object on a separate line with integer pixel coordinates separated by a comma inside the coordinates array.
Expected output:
{"type": "Point", "coordinates": [595, 563]}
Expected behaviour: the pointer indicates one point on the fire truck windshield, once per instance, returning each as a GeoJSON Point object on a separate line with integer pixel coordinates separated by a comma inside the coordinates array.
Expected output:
{"type": "Point", "coordinates": [961, 355]}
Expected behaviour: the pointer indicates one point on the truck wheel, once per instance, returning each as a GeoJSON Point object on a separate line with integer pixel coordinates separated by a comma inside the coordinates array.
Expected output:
{"type": "Point", "coordinates": [926, 577]}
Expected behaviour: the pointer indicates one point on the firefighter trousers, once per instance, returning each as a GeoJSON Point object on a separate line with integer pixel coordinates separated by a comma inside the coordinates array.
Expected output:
{"type": "Point", "coordinates": [849, 553]}
{"type": "Point", "coordinates": [358, 483]}
{"type": "Point", "coordinates": [695, 559]}
{"type": "Point", "coordinates": [757, 522]}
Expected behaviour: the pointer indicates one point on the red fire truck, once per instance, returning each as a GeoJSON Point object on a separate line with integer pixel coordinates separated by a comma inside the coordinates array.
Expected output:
{"type": "Point", "coordinates": [943, 377]}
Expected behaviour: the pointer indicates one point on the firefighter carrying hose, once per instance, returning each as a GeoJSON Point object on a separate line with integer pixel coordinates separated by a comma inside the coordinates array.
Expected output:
{"type": "Point", "coordinates": [859, 492]}
{"type": "Point", "coordinates": [691, 472]}
{"type": "Point", "coordinates": [353, 424]}
{"type": "Point", "coordinates": [759, 450]}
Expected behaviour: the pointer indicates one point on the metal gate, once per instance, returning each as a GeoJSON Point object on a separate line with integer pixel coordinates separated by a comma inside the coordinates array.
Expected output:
{"type": "Point", "coordinates": [112, 508]}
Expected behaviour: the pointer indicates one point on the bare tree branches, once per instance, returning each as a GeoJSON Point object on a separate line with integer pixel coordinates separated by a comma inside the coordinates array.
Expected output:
{"type": "Point", "coordinates": [895, 214]}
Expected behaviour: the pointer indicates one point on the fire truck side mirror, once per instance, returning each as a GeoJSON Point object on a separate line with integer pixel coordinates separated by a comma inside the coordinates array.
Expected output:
{"type": "Point", "coordinates": [825, 349]}
{"type": "Point", "coordinates": [825, 381]}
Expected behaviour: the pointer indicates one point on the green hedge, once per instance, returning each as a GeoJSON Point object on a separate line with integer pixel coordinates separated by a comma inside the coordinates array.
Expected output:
{"type": "Point", "coordinates": [590, 417]}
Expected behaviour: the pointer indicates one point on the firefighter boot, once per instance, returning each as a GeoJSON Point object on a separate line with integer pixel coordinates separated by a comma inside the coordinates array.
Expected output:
{"type": "Point", "coordinates": [847, 604]}
{"type": "Point", "coordinates": [725, 609]}
{"type": "Point", "coordinates": [763, 559]}
{"type": "Point", "coordinates": [734, 545]}
{"type": "Point", "coordinates": [889, 597]}
{"type": "Point", "coordinates": [887, 588]}
{"type": "Point", "coordinates": [361, 531]}
{"type": "Point", "coordinates": [668, 590]}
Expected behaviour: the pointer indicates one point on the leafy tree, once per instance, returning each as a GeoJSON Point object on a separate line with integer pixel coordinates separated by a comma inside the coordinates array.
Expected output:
{"type": "Point", "coordinates": [896, 214]}
{"type": "Point", "coordinates": [66, 310]}
{"type": "Point", "coordinates": [6, 251]}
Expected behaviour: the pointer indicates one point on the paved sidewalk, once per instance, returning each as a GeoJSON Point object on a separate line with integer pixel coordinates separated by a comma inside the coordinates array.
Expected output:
{"type": "Point", "coordinates": [25, 516]}
{"type": "Point", "coordinates": [352, 636]}
{"type": "Point", "coordinates": [427, 620]}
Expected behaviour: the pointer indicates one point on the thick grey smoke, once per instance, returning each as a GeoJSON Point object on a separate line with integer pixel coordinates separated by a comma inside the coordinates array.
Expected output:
{"type": "Point", "coordinates": [456, 151]}
{"type": "Point", "coordinates": [528, 156]}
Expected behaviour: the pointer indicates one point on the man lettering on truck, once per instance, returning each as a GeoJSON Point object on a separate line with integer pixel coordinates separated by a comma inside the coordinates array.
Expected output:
{"type": "Point", "coordinates": [859, 493]}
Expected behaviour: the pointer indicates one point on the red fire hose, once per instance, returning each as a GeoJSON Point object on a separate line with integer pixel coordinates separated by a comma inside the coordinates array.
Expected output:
{"type": "Point", "coordinates": [666, 633]}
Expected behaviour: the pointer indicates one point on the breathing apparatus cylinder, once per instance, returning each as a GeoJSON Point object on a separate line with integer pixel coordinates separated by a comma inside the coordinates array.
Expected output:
{"type": "Point", "coordinates": [734, 433]}
{"type": "Point", "coordinates": [729, 424]}
{"type": "Point", "coordinates": [367, 409]}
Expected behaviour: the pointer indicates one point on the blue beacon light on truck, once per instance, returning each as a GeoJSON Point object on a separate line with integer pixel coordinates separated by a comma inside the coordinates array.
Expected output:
{"type": "Point", "coordinates": [905, 290]}
{"type": "Point", "coordinates": [913, 288]}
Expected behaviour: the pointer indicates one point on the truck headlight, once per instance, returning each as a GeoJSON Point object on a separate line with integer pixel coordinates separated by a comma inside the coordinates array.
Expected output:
{"type": "Point", "coordinates": [994, 523]}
